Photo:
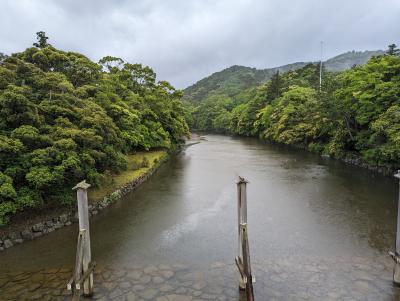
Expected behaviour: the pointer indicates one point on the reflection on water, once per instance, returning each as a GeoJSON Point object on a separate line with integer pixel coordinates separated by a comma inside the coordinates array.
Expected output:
{"type": "Point", "coordinates": [304, 211]}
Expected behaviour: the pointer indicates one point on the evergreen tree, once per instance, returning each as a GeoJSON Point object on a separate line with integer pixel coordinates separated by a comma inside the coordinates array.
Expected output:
{"type": "Point", "coordinates": [274, 89]}
{"type": "Point", "coordinates": [2, 57]}
{"type": "Point", "coordinates": [42, 40]}
{"type": "Point", "coordinates": [393, 50]}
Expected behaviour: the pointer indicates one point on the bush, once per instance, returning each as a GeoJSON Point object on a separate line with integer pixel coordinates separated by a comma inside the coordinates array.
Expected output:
{"type": "Point", "coordinates": [316, 147]}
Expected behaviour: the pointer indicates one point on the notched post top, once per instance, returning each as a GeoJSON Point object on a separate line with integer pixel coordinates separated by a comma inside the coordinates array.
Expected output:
{"type": "Point", "coordinates": [397, 175]}
{"type": "Point", "coordinates": [241, 180]}
{"type": "Point", "coordinates": [82, 185]}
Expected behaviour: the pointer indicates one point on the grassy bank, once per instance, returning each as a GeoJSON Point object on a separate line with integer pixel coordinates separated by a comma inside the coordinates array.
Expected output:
{"type": "Point", "coordinates": [138, 164]}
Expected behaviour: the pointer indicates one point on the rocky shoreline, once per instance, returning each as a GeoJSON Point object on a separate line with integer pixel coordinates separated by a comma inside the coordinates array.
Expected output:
{"type": "Point", "coordinates": [351, 159]}
{"type": "Point", "coordinates": [348, 158]}
{"type": "Point", "coordinates": [358, 161]}
{"type": "Point", "coordinates": [68, 218]}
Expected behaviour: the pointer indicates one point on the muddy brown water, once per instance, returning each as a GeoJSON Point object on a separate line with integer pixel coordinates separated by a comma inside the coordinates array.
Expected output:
{"type": "Point", "coordinates": [319, 230]}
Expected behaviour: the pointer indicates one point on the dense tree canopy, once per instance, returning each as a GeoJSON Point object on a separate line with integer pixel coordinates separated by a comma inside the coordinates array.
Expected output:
{"type": "Point", "coordinates": [64, 118]}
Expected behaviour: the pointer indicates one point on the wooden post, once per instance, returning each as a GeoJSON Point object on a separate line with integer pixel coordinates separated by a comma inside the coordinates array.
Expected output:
{"type": "Point", "coordinates": [243, 258]}
{"type": "Point", "coordinates": [396, 254]}
{"type": "Point", "coordinates": [242, 218]}
{"type": "Point", "coordinates": [78, 266]}
{"type": "Point", "coordinates": [83, 214]}
{"type": "Point", "coordinates": [246, 263]}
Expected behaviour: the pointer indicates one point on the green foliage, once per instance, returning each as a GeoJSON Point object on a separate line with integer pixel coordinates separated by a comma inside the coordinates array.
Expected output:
{"type": "Point", "coordinates": [8, 196]}
{"type": "Point", "coordinates": [365, 94]}
{"type": "Point", "coordinates": [385, 137]}
{"type": "Point", "coordinates": [64, 118]}
{"type": "Point", "coordinates": [297, 117]}
{"type": "Point", "coordinates": [210, 114]}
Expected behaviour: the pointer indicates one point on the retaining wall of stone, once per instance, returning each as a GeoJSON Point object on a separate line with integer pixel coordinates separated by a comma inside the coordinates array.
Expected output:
{"type": "Point", "coordinates": [71, 216]}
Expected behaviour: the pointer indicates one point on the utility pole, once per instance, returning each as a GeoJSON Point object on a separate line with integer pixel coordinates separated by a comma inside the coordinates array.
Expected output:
{"type": "Point", "coordinates": [320, 67]}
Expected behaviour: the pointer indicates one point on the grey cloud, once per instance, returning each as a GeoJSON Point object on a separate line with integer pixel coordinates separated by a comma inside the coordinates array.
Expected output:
{"type": "Point", "coordinates": [184, 41]}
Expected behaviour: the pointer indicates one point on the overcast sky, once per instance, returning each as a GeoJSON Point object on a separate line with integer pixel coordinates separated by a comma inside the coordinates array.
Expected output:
{"type": "Point", "coordinates": [186, 40]}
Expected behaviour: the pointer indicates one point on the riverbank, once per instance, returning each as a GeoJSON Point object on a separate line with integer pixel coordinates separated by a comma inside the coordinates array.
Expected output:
{"type": "Point", "coordinates": [350, 158]}
{"type": "Point", "coordinates": [141, 166]}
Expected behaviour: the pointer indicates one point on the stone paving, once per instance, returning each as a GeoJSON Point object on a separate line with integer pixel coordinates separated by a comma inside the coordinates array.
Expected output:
{"type": "Point", "coordinates": [353, 278]}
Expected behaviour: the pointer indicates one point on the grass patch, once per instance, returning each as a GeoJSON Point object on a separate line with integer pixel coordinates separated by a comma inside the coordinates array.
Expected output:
{"type": "Point", "coordinates": [138, 164]}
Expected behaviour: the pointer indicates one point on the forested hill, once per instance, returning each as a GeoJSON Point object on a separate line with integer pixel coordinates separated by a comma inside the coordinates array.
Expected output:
{"type": "Point", "coordinates": [233, 80]}
{"type": "Point", "coordinates": [64, 118]}
{"type": "Point", "coordinates": [347, 60]}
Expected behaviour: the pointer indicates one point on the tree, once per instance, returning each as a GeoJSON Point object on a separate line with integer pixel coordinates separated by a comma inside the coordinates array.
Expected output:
{"type": "Point", "coordinates": [393, 50]}
{"type": "Point", "coordinates": [363, 96]}
{"type": "Point", "coordinates": [385, 140]}
{"type": "Point", "coordinates": [208, 115]}
{"type": "Point", "coordinates": [8, 196]}
{"type": "Point", "coordinates": [111, 63]}
{"type": "Point", "coordinates": [41, 40]}
{"type": "Point", "coordinates": [2, 57]}
{"type": "Point", "coordinates": [297, 117]}
{"type": "Point", "coordinates": [274, 88]}
{"type": "Point", "coordinates": [16, 109]}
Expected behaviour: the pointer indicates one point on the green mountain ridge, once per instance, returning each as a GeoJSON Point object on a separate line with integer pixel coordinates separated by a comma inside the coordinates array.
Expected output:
{"type": "Point", "coordinates": [233, 80]}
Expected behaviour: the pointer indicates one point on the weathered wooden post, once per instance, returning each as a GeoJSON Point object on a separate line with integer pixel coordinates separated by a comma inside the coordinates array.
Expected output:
{"type": "Point", "coordinates": [246, 263]}
{"type": "Point", "coordinates": [243, 258]}
{"type": "Point", "coordinates": [396, 254]}
{"type": "Point", "coordinates": [242, 218]}
{"type": "Point", "coordinates": [83, 273]}
{"type": "Point", "coordinates": [83, 214]}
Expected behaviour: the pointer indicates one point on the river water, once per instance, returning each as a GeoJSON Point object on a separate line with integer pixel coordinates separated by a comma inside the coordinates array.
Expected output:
{"type": "Point", "coordinates": [318, 230]}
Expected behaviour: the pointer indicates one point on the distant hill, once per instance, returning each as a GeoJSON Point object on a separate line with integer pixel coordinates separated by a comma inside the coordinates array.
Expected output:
{"type": "Point", "coordinates": [233, 80]}
{"type": "Point", "coordinates": [349, 59]}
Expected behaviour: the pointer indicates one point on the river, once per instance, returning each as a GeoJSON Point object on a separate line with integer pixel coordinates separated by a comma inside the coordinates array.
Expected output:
{"type": "Point", "coordinates": [318, 229]}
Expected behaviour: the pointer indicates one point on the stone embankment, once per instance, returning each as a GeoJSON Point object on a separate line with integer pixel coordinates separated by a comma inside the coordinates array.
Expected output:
{"type": "Point", "coordinates": [358, 161]}
{"type": "Point", "coordinates": [70, 217]}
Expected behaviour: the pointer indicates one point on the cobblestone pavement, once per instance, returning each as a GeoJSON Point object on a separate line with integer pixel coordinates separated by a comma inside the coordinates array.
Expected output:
{"type": "Point", "coordinates": [355, 278]}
